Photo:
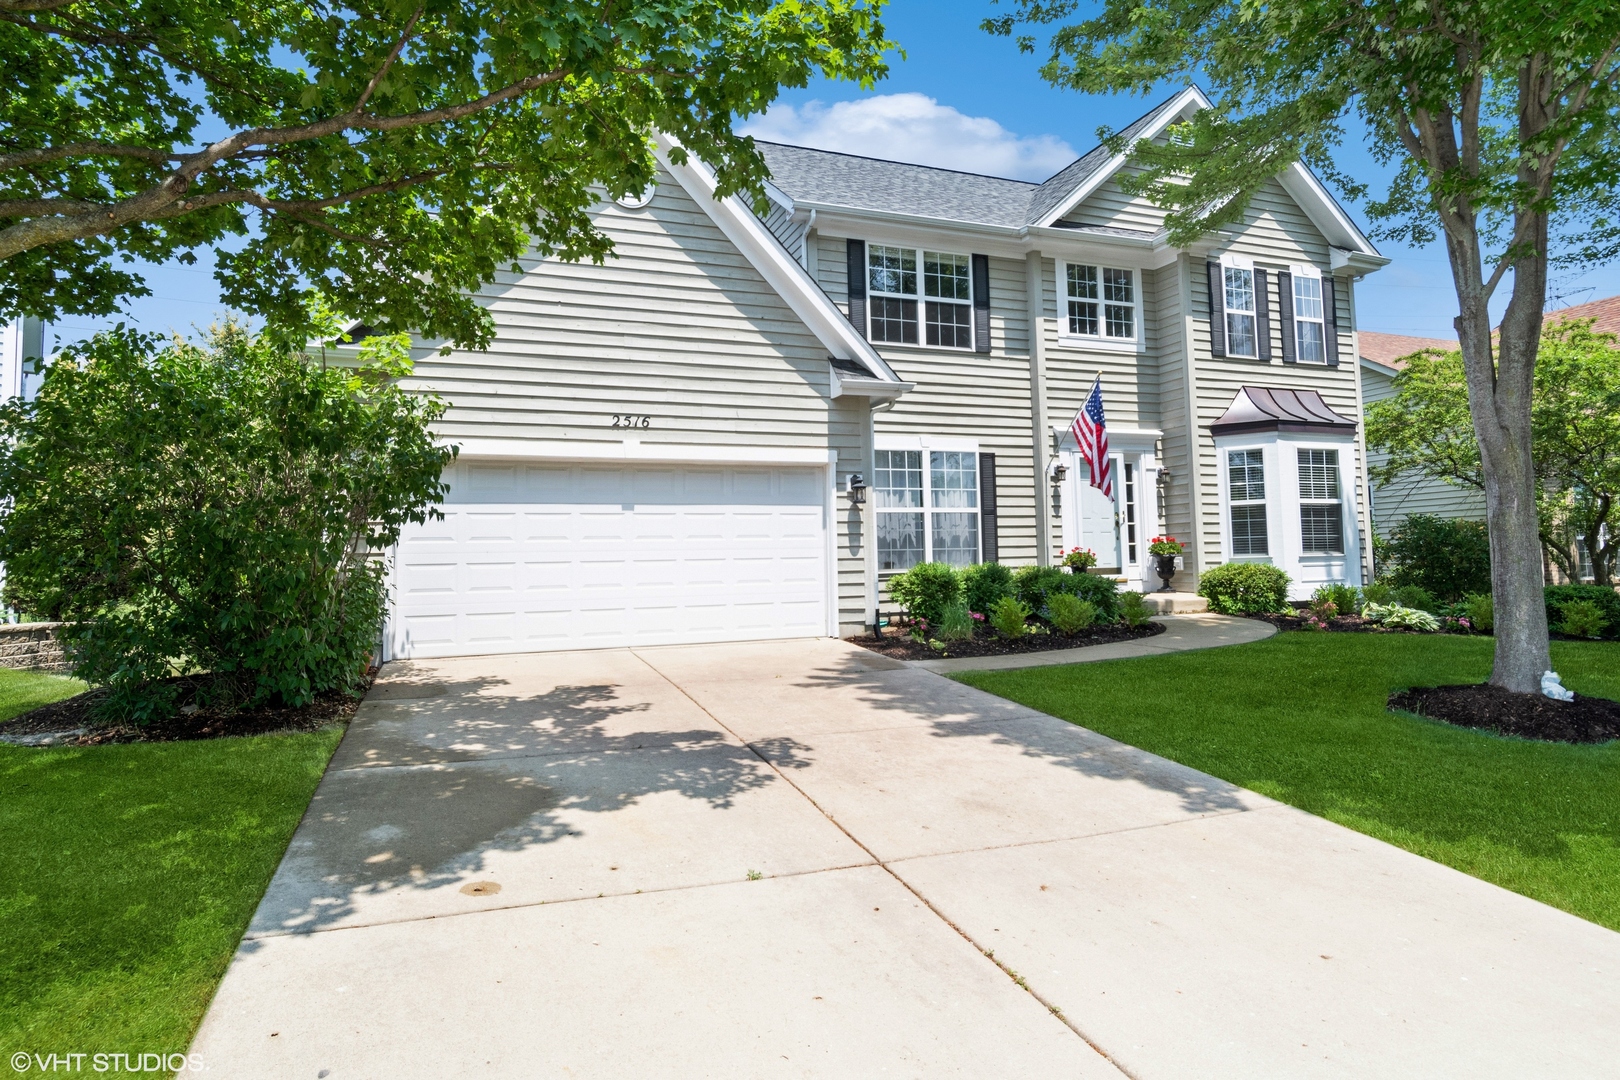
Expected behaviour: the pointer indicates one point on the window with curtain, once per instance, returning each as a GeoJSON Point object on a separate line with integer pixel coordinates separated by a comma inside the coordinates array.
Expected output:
{"type": "Point", "coordinates": [1321, 511]}
{"type": "Point", "coordinates": [1241, 338]}
{"type": "Point", "coordinates": [1246, 496]}
{"type": "Point", "coordinates": [1310, 337]}
{"type": "Point", "coordinates": [942, 293]}
{"type": "Point", "coordinates": [926, 514]}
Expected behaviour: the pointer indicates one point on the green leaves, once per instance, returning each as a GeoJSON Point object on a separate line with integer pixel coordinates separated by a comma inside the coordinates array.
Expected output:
{"type": "Point", "coordinates": [190, 509]}
{"type": "Point", "coordinates": [393, 155]}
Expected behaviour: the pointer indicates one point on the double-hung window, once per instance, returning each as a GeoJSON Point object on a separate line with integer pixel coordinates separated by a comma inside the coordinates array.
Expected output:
{"type": "Point", "coordinates": [1101, 301]}
{"type": "Point", "coordinates": [1246, 497]}
{"type": "Point", "coordinates": [942, 293]}
{"type": "Point", "coordinates": [1310, 336]}
{"type": "Point", "coordinates": [927, 507]}
{"type": "Point", "coordinates": [1321, 511]}
{"type": "Point", "coordinates": [1241, 336]}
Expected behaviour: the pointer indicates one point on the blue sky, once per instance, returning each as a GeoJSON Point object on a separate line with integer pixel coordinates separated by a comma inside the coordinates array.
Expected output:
{"type": "Point", "coordinates": [962, 99]}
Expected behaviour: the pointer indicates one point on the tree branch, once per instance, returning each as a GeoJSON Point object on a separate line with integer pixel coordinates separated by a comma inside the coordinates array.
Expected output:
{"type": "Point", "coordinates": [393, 55]}
{"type": "Point", "coordinates": [22, 158]}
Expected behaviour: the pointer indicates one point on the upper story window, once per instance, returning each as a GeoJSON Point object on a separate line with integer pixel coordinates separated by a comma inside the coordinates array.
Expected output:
{"type": "Point", "coordinates": [1310, 336]}
{"type": "Point", "coordinates": [1241, 337]}
{"type": "Point", "coordinates": [1321, 511]}
{"type": "Point", "coordinates": [926, 514]}
{"type": "Point", "coordinates": [1101, 301]}
{"type": "Point", "coordinates": [1246, 496]}
{"type": "Point", "coordinates": [943, 291]}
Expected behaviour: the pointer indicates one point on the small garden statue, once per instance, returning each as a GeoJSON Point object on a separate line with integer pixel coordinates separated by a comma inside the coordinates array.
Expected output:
{"type": "Point", "coordinates": [1164, 550]}
{"type": "Point", "coordinates": [1079, 559]}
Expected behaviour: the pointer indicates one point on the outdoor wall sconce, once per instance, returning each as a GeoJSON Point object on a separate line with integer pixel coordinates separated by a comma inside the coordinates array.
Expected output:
{"type": "Point", "coordinates": [1060, 474]}
{"type": "Point", "coordinates": [856, 486]}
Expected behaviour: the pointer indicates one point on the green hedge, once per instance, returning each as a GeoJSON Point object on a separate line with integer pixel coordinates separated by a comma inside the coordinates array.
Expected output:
{"type": "Point", "coordinates": [1034, 584]}
{"type": "Point", "coordinates": [1240, 588]}
{"type": "Point", "coordinates": [1607, 600]}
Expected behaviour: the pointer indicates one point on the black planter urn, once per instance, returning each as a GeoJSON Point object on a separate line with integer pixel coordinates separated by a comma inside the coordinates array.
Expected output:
{"type": "Point", "coordinates": [1165, 567]}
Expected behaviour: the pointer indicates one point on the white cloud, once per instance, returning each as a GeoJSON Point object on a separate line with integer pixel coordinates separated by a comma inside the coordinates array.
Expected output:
{"type": "Point", "coordinates": [915, 128]}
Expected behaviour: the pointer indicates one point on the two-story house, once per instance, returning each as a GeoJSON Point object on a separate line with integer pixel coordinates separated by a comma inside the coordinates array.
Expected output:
{"type": "Point", "coordinates": [742, 424]}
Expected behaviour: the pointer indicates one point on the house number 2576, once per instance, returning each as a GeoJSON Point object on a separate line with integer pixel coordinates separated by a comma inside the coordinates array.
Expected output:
{"type": "Point", "coordinates": [628, 420]}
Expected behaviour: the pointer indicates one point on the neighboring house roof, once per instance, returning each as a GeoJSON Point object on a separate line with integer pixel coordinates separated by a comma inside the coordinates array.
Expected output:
{"type": "Point", "coordinates": [1391, 350]}
{"type": "Point", "coordinates": [1270, 408]}
{"type": "Point", "coordinates": [833, 181]}
{"type": "Point", "coordinates": [1606, 312]}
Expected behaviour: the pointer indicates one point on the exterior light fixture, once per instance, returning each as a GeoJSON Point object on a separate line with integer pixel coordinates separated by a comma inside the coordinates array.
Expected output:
{"type": "Point", "coordinates": [1060, 474]}
{"type": "Point", "coordinates": [856, 486]}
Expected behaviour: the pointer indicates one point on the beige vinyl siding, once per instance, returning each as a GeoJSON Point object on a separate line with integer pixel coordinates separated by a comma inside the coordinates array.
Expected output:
{"type": "Point", "coordinates": [1108, 205]}
{"type": "Point", "coordinates": [1175, 448]}
{"type": "Point", "coordinates": [677, 326]}
{"type": "Point", "coordinates": [1411, 494]}
{"type": "Point", "coordinates": [963, 394]}
{"type": "Point", "coordinates": [791, 233]}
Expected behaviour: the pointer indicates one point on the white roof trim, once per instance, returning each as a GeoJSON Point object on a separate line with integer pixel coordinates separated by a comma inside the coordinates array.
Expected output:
{"type": "Point", "coordinates": [1324, 211]}
{"type": "Point", "coordinates": [790, 280]}
{"type": "Point", "coordinates": [1188, 98]}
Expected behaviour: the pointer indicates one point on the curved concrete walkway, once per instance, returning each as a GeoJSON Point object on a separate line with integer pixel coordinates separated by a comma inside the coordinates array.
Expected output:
{"type": "Point", "coordinates": [1185, 633]}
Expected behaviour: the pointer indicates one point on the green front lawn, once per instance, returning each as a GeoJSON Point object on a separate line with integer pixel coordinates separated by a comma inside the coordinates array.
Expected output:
{"type": "Point", "coordinates": [128, 873]}
{"type": "Point", "coordinates": [1300, 717]}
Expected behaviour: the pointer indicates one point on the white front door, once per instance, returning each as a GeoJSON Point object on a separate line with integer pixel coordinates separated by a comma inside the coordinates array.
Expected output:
{"type": "Point", "coordinates": [1099, 528]}
{"type": "Point", "coordinates": [538, 556]}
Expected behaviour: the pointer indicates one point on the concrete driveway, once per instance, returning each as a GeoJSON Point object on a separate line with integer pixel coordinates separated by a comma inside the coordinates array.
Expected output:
{"type": "Point", "coordinates": [796, 859]}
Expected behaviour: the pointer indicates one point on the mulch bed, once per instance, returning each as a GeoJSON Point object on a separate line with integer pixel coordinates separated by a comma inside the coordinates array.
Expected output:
{"type": "Point", "coordinates": [1527, 716]}
{"type": "Point", "coordinates": [898, 643]}
{"type": "Point", "coordinates": [73, 722]}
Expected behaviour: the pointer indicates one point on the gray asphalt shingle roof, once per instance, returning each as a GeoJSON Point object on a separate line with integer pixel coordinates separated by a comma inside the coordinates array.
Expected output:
{"type": "Point", "coordinates": [895, 187]}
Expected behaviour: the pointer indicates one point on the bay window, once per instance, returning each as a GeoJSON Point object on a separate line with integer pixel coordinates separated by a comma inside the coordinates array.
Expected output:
{"type": "Point", "coordinates": [1321, 511]}
{"type": "Point", "coordinates": [926, 514]}
{"type": "Point", "coordinates": [1246, 499]}
{"type": "Point", "coordinates": [903, 283]}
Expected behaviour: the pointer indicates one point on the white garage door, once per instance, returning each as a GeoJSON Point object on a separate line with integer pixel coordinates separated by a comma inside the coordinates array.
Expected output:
{"type": "Point", "coordinates": [539, 556]}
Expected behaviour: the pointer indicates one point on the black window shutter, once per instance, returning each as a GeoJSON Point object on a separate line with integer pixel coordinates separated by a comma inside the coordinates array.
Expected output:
{"type": "Point", "coordinates": [1285, 312]}
{"type": "Point", "coordinates": [1330, 319]}
{"type": "Point", "coordinates": [990, 549]}
{"type": "Point", "coordinates": [855, 253]}
{"type": "Point", "coordinates": [1217, 310]}
{"type": "Point", "coordinates": [981, 303]}
{"type": "Point", "coordinates": [1262, 312]}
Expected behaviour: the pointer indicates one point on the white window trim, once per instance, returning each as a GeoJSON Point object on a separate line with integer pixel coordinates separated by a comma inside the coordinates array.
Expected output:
{"type": "Point", "coordinates": [1271, 502]}
{"type": "Point", "coordinates": [1230, 261]}
{"type": "Point", "coordinates": [1301, 502]}
{"type": "Point", "coordinates": [922, 314]}
{"type": "Point", "coordinates": [1099, 342]}
{"type": "Point", "coordinates": [924, 444]}
{"type": "Point", "coordinates": [1302, 270]}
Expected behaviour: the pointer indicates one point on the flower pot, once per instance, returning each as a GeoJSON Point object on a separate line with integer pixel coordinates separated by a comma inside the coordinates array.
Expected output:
{"type": "Point", "coordinates": [1165, 567]}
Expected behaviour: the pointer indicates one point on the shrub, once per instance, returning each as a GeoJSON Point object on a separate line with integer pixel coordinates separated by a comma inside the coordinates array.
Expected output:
{"type": "Point", "coordinates": [926, 590]}
{"type": "Point", "coordinates": [1401, 618]}
{"type": "Point", "coordinates": [1377, 592]}
{"type": "Point", "coordinates": [1346, 599]}
{"type": "Point", "coordinates": [1606, 599]}
{"type": "Point", "coordinates": [1036, 585]}
{"type": "Point", "coordinates": [985, 583]}
{"type": "Point", "coordinates": [1070, 614]}
{"type": "Point", "coordinates": [1415, 596]}
{"type": "Point", "coordinates": [1007, 617]}
{"type": "Point", "coordinates": [1449, 557]}
{"type": "Point", "coordinates": [1101, 591]}
{"type": "Point", "coordinates": [1241, 588]}
{"type": "Point", "coordinates": [209, 509]}
{"type": "Point", "coordinates": [1480, 611]}
{"type": "Point", "coordinates": [956, 624]}
{"type": "Point", "coordinates": [1583, 618]}
{"type": "Point", "coordinates": [1133, 609]}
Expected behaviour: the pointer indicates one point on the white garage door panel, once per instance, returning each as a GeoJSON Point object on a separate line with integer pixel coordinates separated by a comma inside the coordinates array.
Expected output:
{"type": "Point", "coordinates": [533, 557]}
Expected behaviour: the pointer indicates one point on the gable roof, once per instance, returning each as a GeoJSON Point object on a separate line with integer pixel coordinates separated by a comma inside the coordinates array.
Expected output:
{"type": "Point", "coordinates": [1271, 408]}
{"type": "Point", "coordinates": [1391, 349]}
{"type": "Point", "coordinates": [1606, 312]}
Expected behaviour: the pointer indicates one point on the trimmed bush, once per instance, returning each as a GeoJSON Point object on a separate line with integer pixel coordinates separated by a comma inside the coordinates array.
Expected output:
{"type": "Point", "coordinates": [1133, 609]}
{"type": "Point", "coordinates": [1582, 618]}
{"type": "Point", "coordinates": [1416, 596]}
{"type": "Point", "coordinates": [1378, 592]}
{"type": "Point", "coordinates": [926, 590]}
{"type": "Point", "coordinates": [1070, 614]}
{"type": "Point", "coordinates": [1036, 585]}
{"type": "Point", "coordinates": [1605, 598]}
{"type": "Point", "coordinates": [985, 583]}
{"type": "Point", "coordinates": [1449, 557]}
{"type": "Point", "coordinates": [1242, 588]}
{"type": "Point", "coordinates": [1104, 592]}
{"type": "Point", "coordinates": [1008, 617]}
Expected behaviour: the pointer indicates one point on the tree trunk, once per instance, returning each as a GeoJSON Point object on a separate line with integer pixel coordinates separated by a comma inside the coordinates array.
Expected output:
{"type": "Point", "coordinates": [1499, 399]}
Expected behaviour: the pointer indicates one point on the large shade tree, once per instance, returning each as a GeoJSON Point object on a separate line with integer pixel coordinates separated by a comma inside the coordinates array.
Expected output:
{"type": "Point", "coordinates": [392, 154]}
{"type": "Point", "coordinates": [1500, 119]}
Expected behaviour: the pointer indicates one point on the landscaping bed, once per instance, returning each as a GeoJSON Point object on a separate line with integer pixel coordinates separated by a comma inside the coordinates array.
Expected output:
{"type": "Point", "coordinates": [898, 643]}
{"type": "Point", "coordinates": [72, 722]}
{"type": "Point", "coordinates": [1527, 716]}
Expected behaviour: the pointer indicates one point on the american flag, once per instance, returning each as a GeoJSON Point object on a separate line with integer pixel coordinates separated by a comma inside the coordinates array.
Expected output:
{"type": "Point", "coordinates": [1091, 433]}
